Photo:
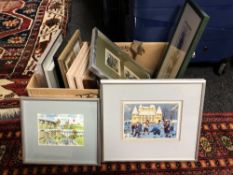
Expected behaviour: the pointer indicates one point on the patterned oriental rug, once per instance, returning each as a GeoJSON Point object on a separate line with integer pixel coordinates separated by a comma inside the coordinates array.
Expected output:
{"type": "Point", "coordinates": [215, 154]}
{"type": "Point", "coordinates": [26, 27]}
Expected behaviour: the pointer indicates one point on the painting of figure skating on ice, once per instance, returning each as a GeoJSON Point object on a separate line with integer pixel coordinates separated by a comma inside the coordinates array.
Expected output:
{"type": "Point", "coordinates": [151, 120]}
{"type": "Point", "coordinates": [60, 129]}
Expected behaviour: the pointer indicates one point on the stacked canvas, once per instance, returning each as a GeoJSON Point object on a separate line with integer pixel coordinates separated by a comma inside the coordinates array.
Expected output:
{"type": "Point", "coordinates": [129, 115]}
{"type": "Point", "coordinates": [75, 73]}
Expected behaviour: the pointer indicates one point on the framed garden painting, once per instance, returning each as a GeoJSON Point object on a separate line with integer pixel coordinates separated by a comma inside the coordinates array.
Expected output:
{"type": "Point", "coordinates": [155, 120]}
{"type": "Point", "coordinates": [60, 131]}
{"type": "Point", "coordinates": [190, 27]}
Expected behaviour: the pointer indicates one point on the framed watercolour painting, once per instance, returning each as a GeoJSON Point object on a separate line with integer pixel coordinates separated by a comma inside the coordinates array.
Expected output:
{"type": "Point", "coordinates": [145, 120]}
{"type": "Point", "coordinates": [190, 27]}
{"type": "Point", "coordinates": [60, 131]}
{"type": "Point", "coordinates": [149, 121]}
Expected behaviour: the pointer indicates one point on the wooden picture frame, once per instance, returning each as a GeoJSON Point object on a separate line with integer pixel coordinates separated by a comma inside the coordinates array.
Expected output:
{"type": "Point", "coordinates": [76, 65]}
{"type": "Point", "coordinates": [66, 55]}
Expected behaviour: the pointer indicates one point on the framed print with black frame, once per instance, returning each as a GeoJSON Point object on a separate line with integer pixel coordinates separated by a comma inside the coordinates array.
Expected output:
{"type": "Point", "coordinates": [60, 131]}
{"type": "Point", "coordinates": [159, 123]}
{"type": "Point", "coordinates": [190, 27]}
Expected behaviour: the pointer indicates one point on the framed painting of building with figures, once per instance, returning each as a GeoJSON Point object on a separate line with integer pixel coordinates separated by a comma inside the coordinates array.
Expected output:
{"type": "Point", "coordinates": [151, 120]}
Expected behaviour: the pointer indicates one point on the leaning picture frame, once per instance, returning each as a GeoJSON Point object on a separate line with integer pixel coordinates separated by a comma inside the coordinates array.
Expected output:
{"type": "Point", "coordinates": [162, 122]}
{"type": "Point", "coordinates": [189, 29]}
{"type": "Point", "coordinates": [107, 60]}
{"type": "Point", "coordinates": [45, 69]}
{"type": "Point", "coordinates": [66, 54]}
{"type": "Point", "coordinates": [60, 131]}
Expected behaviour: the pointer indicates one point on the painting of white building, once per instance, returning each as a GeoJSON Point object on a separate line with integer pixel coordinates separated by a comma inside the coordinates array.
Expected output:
{"type": "Point", "coordinates": [151, 119]}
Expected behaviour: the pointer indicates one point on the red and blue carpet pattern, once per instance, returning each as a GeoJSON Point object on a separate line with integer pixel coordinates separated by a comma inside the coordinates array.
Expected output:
{"type": "Point", "coordinates": [26, 27]}
{"type": "Point", "coordinates": [215, 154]}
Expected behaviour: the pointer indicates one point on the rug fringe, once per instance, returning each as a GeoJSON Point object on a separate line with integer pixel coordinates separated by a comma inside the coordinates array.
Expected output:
{"type": "Point", "coordinates": [212, 114]}
{"type": "Point", "coordinates": [9, 113]}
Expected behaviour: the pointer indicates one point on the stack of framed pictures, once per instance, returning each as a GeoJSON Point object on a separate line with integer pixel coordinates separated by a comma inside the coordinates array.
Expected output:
{"type": "Point", "coordinates": [66, 54]}
{"type": "Point", "coordinates": [107, 60]}
{"type": "Point", "coordinates": [141, 120]}
{"type": "Point", "coordinates": [190, 27]}
{"type": "Point", "coordinates": [78, 75]}
{"type": "Point", "coordinates": [77, 64]}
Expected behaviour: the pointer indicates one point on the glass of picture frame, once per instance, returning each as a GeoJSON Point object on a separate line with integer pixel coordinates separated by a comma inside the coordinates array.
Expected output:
{"type": "Point", "coordinates": [60, 131]}
{"type": "Point", "coordinates": [159, 123]}
{"type": "Point", "coordinates": [189, 29]}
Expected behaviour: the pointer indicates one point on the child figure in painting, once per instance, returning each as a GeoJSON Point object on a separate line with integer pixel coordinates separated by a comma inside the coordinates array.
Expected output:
{"type": "Point", "coordinates": [156, 129]}
{"type": "Point", "coordinates": [167, 128]}
{"type": "Point", "coordinates": [138, 129]}
{"type": "Point", "coordinates": [146, 127]}
{"type": "Point", "coordinates": [132, 129]}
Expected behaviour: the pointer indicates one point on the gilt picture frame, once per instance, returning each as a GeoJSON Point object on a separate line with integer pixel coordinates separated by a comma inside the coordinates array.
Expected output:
{"type": "Point", "coordinates": [60, 131]}
{"type": "Point", "coordinates": [146, 125]}
{"type": "Point", "coordinates": [189, 29]}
